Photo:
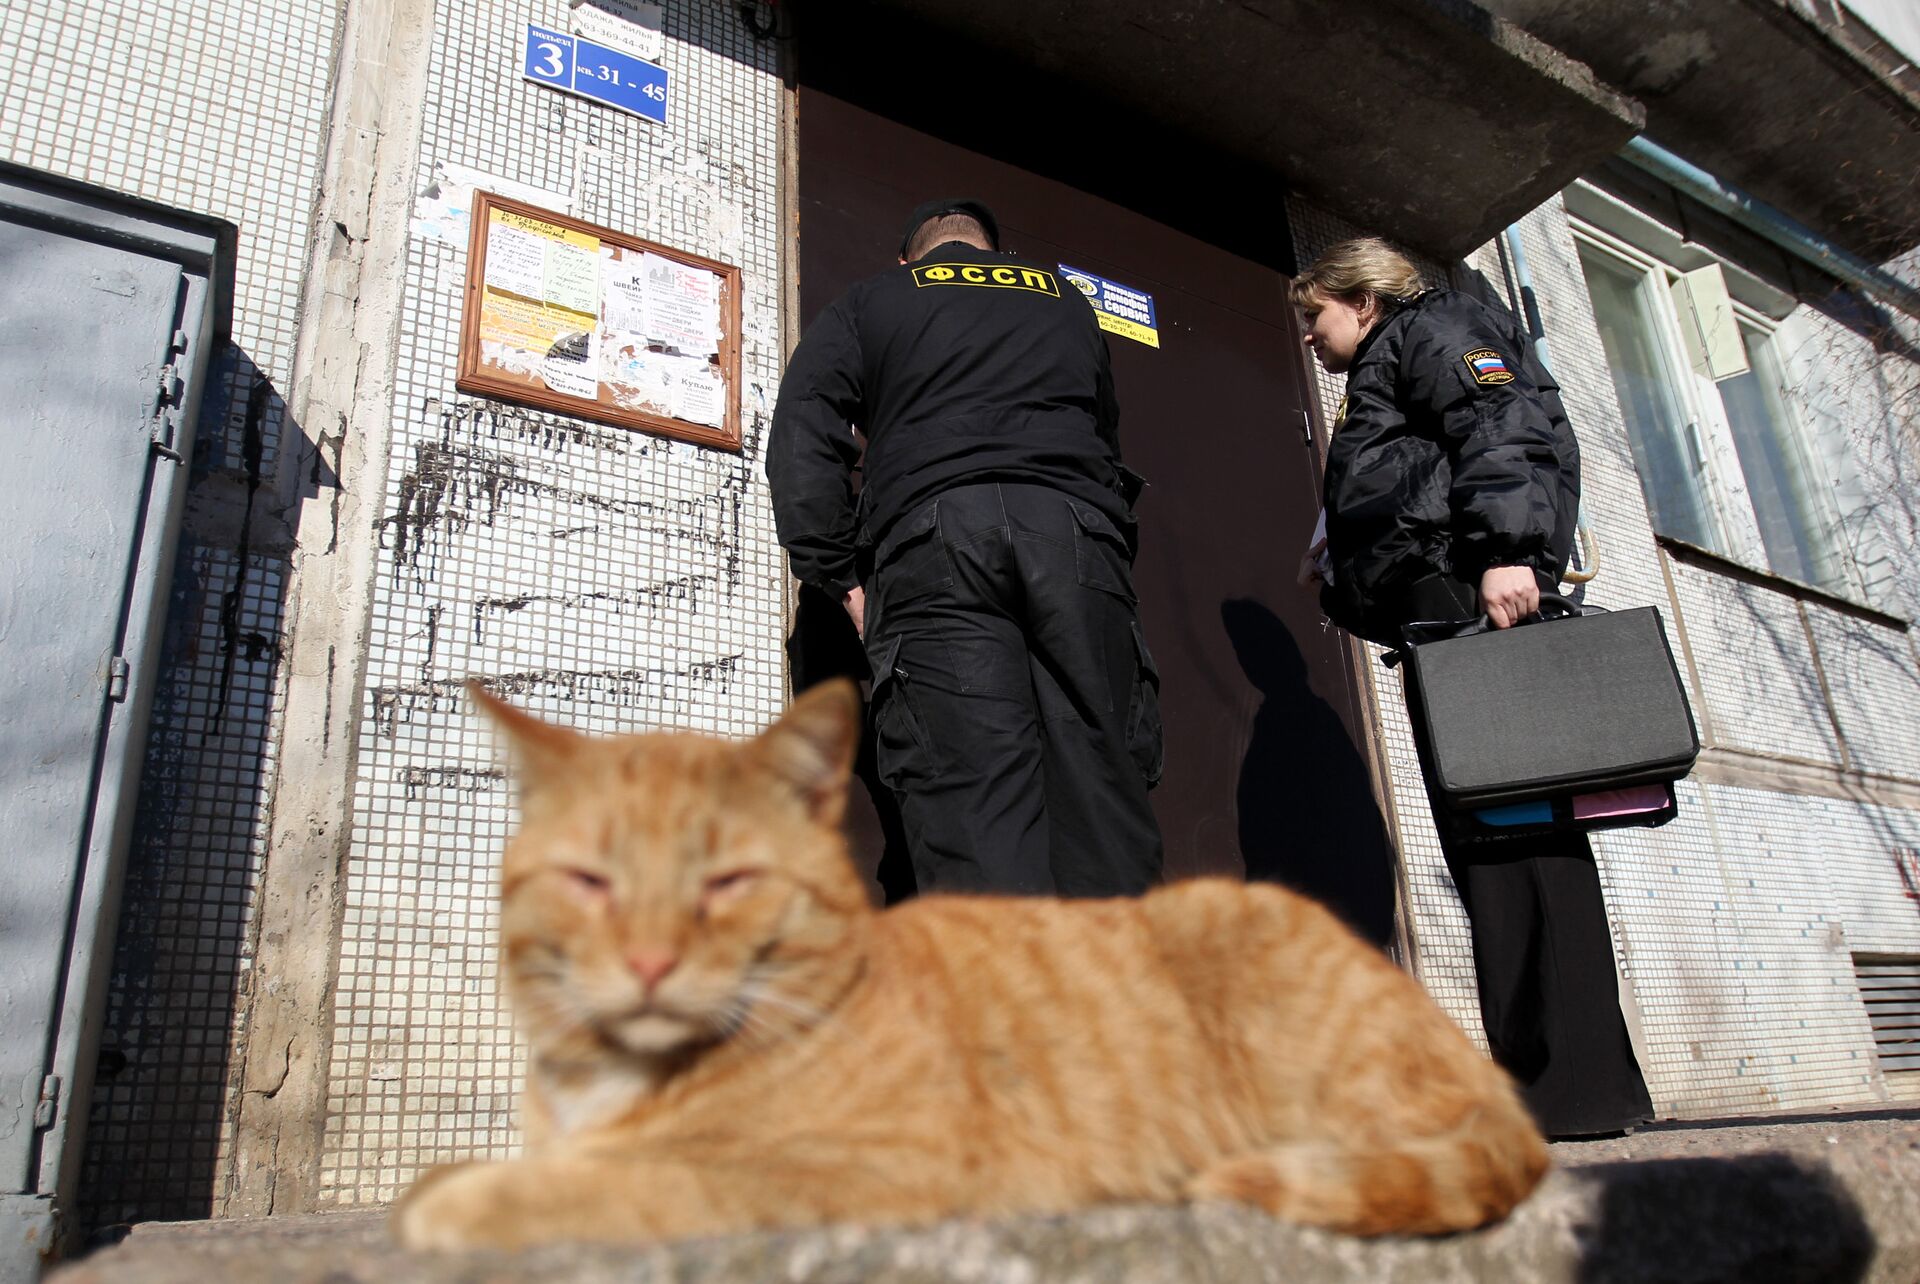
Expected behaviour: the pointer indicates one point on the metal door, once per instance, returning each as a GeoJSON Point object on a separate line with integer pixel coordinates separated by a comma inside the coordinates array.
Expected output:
{"type": "Point", "coordinates": [100, 336]}
{"type": "Point", "coordinates": [1266, 765]}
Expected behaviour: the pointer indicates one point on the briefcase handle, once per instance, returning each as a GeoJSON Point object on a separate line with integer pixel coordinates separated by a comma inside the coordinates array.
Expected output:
{"type": "Point", "coordinates": [1420, 632]}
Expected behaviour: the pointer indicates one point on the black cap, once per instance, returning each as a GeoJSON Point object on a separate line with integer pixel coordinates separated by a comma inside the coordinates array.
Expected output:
{"type": "Point", "coordinates": [950, 205]}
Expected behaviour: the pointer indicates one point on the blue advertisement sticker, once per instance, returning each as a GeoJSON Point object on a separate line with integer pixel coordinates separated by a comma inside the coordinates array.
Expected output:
{"type": "Point", "coordinates": [1120, 309]}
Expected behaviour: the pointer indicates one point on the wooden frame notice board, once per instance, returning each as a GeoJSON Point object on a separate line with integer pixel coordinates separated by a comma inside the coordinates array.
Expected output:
{"type": "Point", "coordinates": [583, 320]}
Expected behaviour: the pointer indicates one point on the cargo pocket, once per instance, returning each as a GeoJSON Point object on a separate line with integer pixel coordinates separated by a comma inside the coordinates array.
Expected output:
{"type": "Point", "coordinates": [1144, 738]}
{"type": "Point", "coordinates": [903, 753]}
{"type": "Point", "coordinates": [1100, 555]}
{"type": "Point", "coordinates": [913, 560]}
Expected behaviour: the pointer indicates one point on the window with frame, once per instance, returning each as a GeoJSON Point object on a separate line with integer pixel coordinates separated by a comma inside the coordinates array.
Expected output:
{"type": "Point", "coordinates": [1722, 459]}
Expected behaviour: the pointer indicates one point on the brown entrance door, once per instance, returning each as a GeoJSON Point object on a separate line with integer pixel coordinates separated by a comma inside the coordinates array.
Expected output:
{"type": "Point", "coordinates": [1265, 773]}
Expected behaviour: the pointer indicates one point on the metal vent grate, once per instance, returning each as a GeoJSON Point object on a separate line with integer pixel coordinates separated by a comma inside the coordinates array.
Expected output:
{"type": "Point", "coordinates": [1891, 989]}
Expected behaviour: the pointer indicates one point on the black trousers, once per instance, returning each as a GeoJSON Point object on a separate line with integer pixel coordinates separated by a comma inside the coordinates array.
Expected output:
{"type": "Point", "coordinates": [1549, 995]}
{"type": "Point", "coordinates": [823, 645]}
{"type": "Point", "coordinates": [1016, 707]}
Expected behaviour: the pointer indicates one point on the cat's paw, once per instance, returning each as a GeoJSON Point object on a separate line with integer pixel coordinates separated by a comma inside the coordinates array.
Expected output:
{"type": "Point", "coordinates": [458, 1206]}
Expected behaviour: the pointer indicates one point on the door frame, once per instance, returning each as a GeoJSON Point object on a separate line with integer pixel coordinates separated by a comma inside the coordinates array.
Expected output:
{"type": "Point", "coordinates": [1359, 681]}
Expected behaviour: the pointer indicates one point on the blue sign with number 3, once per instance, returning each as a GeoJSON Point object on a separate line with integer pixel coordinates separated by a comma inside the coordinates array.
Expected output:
{"type": "Point", "coordinates": [597, 72]}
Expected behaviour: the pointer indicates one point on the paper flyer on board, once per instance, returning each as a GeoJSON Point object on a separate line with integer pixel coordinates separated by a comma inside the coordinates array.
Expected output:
{"type": "Point", "coordinates": [572, 272]}
{"type": "Point", "coordinates": [683, 306]}
{"type": "Point", "coordinates": [662, 383]}
{"type": "Point", "coordinates": [532, 327]}
{"type": "Point", "coordinates": [700, 396]}
{"type": "Point", "coordinates": [572, 365]}
{"type": "Point", "coordinates": [516, 256]}
{"type": "Point", "coordinates": [630, 26]}
{"type": "Point", "coordinates": [594, 320]}
{"type": "Point", "coordinates": [623, 294]}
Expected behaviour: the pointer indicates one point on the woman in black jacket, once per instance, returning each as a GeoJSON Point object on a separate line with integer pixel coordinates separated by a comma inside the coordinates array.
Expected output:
{"type": "Point", "coordinates": [1452, 487]}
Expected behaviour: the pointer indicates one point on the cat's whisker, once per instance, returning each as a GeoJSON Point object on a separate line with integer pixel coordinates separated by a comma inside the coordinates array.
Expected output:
{"type": "Point", "coordinates": [553, 1008]}
{"type": "Point", "coordinates": [753, 1034]}
{"type": "Point", "coordinates": [775, 1014]}
{"type": "Point", "coordinates": [807, 1014]}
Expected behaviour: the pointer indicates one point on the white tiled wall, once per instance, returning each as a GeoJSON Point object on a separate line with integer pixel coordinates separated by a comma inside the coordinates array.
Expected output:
{"type": "Point", "coordinates": [606, 579]}
{"type": "Point", "coordinates": [1756, 666]}
{"type": "Point", "coordinates": [212, 106]}
{"type": "Point", "coordinates": [1873, 679]}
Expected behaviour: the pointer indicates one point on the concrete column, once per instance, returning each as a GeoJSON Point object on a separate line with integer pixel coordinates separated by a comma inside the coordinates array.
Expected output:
{"type": "Point", "coordinates": [332, 480]}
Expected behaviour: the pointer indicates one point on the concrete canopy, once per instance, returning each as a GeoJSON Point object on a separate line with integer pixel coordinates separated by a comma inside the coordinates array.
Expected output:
{"type": "Point", "coordinates": [1808, 110]}
{"type": "Point", "coordinates": [1428, 121]}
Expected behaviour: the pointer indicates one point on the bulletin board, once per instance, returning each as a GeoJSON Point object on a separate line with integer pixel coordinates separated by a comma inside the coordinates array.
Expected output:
{"type": "Point", "coordinates": [583, 320]}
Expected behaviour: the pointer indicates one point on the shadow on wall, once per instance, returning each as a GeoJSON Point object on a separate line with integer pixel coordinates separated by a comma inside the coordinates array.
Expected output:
{"type": "Point", "coordinates": [1756, 1217]}
{"type": "Point", "coordinates": [161, 1093]}
{"type": "Point", "coordinates": [1308, 816]}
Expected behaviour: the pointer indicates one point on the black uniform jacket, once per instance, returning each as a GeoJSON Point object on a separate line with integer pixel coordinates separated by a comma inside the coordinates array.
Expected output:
{"type": "Point", "coordinates": [1452, 454]}
{"type": "Point", "coordinates": [965, 366]}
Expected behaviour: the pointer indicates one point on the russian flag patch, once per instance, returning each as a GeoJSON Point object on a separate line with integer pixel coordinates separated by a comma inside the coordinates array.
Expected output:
{"type": "Point", "coordinates": [1488, 366]}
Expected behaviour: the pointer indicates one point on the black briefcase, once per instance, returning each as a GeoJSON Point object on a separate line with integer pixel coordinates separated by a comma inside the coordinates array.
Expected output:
{"type": "Point", "coordinates": [1572, 720]}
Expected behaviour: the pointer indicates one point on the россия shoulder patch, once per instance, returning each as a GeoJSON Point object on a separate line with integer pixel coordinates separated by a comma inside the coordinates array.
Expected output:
{"type": "Point", "coordinates": [1487, 366]}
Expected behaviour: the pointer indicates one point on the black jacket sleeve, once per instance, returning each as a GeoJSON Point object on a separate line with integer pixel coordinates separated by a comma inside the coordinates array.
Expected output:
{"type": "Point", "coordinates": [811, 450]}
{"type": "Point", "coordinates": [1505, 446]}
{"type": "Point", "coordinates": [1106, 413]}
{"type": "Point", "coordinates": [1374, 479]}
{"type": "Point", "coordinates": [1106, 410]}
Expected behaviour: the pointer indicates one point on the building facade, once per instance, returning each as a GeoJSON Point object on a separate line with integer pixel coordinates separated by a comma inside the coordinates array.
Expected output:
{"type": "Point", "coordinates": [302, 1009]}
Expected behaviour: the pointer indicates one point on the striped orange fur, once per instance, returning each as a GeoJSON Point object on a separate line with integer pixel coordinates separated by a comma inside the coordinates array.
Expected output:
{"type": "Point", "coordinates": [724, 1035]}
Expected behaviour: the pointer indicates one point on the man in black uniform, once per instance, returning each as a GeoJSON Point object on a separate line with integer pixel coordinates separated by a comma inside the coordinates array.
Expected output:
{"type": "Point", "coordinates": [988, 562]}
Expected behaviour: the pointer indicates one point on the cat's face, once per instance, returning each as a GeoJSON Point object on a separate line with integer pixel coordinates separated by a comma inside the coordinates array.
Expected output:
{"type": "Point", "coordinates": [665, 892]}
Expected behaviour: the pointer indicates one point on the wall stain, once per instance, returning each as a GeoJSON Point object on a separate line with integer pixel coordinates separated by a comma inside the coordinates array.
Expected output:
{"type": "Point", "coordinates": [433, 639]}
{"type": "Point", "coordinates": [467, 780]}
{"type": "Point", "coordinates": [451, 487]}
{"type": "Point", "coordinates": [684, 590]}
{"type": "Point", "coordinates": [497, 420]}
{"type": "Point", "coordinates": [393, 705]}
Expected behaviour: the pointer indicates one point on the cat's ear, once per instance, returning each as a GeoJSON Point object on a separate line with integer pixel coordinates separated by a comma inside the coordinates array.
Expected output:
{"type": "Point", "coordinates": [812, 746]}
{"type": "Point", "coordinates": [539, 748]}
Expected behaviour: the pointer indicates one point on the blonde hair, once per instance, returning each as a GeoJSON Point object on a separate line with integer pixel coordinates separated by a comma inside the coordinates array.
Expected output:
{"type": "Point", "coordinates": [1352, 270]}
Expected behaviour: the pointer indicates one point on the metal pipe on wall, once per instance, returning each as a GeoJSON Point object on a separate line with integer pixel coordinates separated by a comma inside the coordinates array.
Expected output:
{"type": "Point", "coordinates": [1763, 220]}
{"type": "Point", "coordinates": [1537, 327]}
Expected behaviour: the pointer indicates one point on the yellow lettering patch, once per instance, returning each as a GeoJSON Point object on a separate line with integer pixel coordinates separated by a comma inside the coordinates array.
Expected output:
{"type": "Point", "coordinates": [1002, 277]}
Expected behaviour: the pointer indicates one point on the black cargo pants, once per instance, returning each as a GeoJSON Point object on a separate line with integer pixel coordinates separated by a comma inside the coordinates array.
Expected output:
{"type": "Point", "coordinates": [1016, 704]}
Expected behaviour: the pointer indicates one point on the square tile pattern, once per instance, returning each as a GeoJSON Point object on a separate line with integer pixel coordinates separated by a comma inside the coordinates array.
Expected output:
{"type": "Point", "coordinates": [605, 579]}
{"type": "Point", "coordinates": [213, 106]}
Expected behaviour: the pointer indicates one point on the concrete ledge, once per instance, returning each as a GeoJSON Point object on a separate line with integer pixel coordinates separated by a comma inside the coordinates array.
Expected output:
{"type": "Point", "coordinates": [1816, 1209]}
{"type": "Point", "coordinates": [1432, 122]}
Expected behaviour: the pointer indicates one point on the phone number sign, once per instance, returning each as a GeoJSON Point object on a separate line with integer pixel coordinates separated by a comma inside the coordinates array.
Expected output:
{"type": "Point", "coordinates": [594, 71]}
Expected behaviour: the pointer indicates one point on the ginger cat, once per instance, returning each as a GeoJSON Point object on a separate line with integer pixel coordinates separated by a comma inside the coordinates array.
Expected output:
{"type": "Point", "coordinates": [725, 1035]}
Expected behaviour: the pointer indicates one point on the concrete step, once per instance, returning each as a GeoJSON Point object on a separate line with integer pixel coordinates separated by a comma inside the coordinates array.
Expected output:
{"type": "Point", "coordinates": [1814, 1200]}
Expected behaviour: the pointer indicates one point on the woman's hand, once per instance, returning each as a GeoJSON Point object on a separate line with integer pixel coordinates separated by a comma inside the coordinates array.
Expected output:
{"type": "Point", "coordinates": [1308, 576]}
{"type": "Point", "coordinates": [1509, 594]}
